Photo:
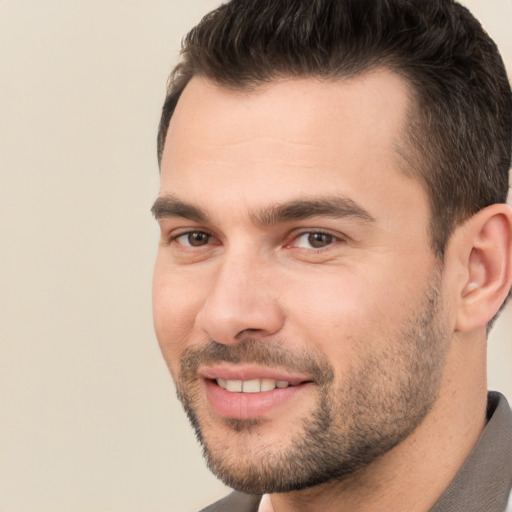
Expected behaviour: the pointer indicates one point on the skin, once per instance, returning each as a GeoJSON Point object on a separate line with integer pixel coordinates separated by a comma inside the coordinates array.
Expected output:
{"type": "Point", "coordinates": [254, 277]}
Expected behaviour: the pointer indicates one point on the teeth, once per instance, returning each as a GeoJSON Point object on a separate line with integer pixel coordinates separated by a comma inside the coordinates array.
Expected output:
{"type": "Point", "coordinates": [267, 385]}
{"type": "Point", "coordinates": [235, 386]}
{"type": "Point", "coordinates": [252, 386]}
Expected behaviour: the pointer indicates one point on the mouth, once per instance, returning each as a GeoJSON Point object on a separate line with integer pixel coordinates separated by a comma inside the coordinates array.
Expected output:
{"type": "Point", "coordinates": [252, 386]}
{"type": "Point", "coordinates": [250, 393]}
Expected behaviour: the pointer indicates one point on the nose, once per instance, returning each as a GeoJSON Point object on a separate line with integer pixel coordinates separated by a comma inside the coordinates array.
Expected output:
{"type": "Point", "coordinates": [242, 302]}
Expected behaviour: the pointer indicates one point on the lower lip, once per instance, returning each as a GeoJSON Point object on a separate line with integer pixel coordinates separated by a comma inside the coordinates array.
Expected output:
{"type": "Point", "coordinates": [249, 405]}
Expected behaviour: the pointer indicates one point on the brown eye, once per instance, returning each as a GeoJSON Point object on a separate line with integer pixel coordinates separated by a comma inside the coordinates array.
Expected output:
{"type": "Point", "coordinates": [193, 238]}
{"type": "Point", "coordinates": [198, 238]}
{"type": "Point", "coordinates": [314, 240]}
{"type": "Point", "coordinates": [319, 240]}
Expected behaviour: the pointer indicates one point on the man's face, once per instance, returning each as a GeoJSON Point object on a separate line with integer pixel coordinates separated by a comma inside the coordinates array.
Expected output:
{"type": "Point", "coordinates": [296, 297]}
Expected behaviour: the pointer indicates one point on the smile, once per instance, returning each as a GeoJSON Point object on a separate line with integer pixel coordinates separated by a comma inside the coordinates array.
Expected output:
{"type": "Point", "coordinates": [251, 392]}
{"type": "Point", "coordinates": [252, 386]}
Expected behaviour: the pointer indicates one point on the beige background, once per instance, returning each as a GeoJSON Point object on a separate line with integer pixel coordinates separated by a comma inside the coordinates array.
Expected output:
{"type": "Point", "coordinates": [88, 418]}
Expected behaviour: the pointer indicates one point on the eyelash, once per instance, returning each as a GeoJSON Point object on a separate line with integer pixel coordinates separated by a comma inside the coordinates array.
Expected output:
{"type": "Point", "coordinates": [175, 238]}
{"type": "Point", "coordinates": [333, 240]}
{"type": "Point", "coordinates": [292, 243]}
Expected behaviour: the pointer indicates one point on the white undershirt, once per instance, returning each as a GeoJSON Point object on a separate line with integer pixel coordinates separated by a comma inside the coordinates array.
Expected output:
{"type": "Point", "coordinates": [509, 506]}
{"type": "Point", "coordinates": [266, 504]}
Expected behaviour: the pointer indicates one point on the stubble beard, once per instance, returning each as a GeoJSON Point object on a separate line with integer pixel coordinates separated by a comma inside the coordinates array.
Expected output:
{"type": "Point", "coordinates": [378, 405]}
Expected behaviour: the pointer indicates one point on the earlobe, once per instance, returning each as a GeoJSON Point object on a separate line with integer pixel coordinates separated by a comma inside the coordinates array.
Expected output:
{"type": "Point", "coordinates": [487, 242]}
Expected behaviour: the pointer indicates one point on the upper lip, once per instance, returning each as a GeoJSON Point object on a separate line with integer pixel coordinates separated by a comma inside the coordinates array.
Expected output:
{"type": "Point", "coordinates": [250, 372]}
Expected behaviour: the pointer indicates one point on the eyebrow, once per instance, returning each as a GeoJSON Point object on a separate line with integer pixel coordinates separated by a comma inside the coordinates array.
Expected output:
{"type": "Point", "coordinates": [332, 206]}
{"type": "Point", "coordinates": [170, 206]}
{"type": "Point", "coordinates": [337, 206]}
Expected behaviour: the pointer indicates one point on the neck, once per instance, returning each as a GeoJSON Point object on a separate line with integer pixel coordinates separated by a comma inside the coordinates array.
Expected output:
{"type": "Point", "coordinates": [414, 474]}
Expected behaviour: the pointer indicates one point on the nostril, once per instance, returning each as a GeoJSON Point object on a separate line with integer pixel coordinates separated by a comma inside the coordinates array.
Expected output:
{"type": "Point", "coordinates": [228, 317]}
{"type": "Point", "coordinates": [250, 332]}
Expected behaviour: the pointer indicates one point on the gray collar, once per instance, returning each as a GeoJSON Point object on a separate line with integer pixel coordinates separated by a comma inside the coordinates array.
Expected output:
{"type": "Point", "coordinates": [485, 480]}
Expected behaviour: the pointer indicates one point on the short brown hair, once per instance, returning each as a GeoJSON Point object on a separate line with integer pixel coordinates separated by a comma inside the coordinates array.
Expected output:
{"type": "Point", "coordinates": [459, 129]}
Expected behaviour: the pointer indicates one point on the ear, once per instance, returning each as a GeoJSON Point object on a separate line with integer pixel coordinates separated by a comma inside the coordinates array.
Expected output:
{"type": "Point", "coordinates": [486, 254]}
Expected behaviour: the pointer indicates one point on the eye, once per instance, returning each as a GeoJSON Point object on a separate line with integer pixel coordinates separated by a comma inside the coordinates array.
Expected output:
{"type": "Point", "coordinates": [314, 240]}
{"type": "Point", "coordinates": [193, 239]}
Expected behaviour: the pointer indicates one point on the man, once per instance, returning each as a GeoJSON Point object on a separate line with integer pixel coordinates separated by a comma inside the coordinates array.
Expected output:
{"type": "Point", "coordinates": [335, 244]}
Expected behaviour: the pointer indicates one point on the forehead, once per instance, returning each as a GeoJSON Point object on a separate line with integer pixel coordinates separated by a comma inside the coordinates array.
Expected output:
{"type": "Point", "coordinates": [290, 136]}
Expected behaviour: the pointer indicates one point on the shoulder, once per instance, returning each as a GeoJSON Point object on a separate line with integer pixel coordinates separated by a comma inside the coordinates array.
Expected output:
{"type": "Point", "coordinates": [235, 502]}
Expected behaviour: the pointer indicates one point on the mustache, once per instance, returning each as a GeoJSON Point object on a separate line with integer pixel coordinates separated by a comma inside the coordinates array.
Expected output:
{"type": "Point", "coordinates": [256, 351]}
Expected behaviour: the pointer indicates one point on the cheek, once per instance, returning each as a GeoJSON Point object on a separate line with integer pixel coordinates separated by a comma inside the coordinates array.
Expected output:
{"type": "Point", "coordinates": [331, 315]}
{"type": "Point", "coordinates": [175, 306]}
{"type": "Point", "coordinates": [348, 315]}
